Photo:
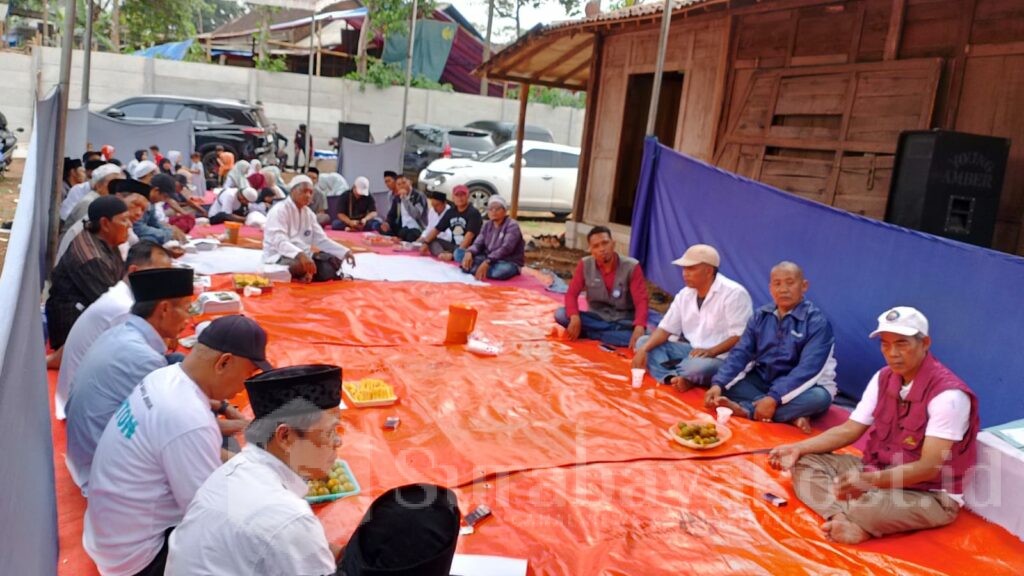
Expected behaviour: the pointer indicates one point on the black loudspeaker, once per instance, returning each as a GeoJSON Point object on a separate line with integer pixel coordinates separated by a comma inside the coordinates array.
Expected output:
{"type": "Point", "coordinates": [352, 131]}
{"type": "Point", "coordinates": [948, 184]}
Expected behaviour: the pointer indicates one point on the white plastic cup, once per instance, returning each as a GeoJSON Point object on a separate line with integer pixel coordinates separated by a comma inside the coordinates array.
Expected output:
{"type": "Point", "coordinates": [638, 376]}
{"type": "Point", "coordinates": [723, 414]}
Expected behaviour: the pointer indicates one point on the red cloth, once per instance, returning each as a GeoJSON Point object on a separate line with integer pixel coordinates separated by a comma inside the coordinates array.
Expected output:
{"type": "Point", "coordinates": [637, 287]}
{"type": "Point", "coordinates": [257, 181]}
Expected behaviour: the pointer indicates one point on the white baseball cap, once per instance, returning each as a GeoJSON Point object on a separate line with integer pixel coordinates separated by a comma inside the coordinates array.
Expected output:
{"type": "Point", "coordinates": [902, 320]}
{"type": "Point", "coordinates": [698, 254]}
{"type": "Point", "coordinates": [362, 186]}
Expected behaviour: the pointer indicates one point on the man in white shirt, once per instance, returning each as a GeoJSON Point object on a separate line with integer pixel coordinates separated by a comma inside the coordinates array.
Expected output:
{"type": "Point", "coordinates": [922, 422]}
{"type": "Point", "coordinates": [438, 207]}
{"type": "Point", "coordinates": [708, 316]}
{"type": "Point", "coordinates": [161, 444]}
{"type": "Point", "coordinates": [250, 517]}
{"type": "Point", "coordinates": [292, 231]}
{"type": "Point", "coordinates": [109, 310]}
{"type": "Point", "coordinates": [231, 205]}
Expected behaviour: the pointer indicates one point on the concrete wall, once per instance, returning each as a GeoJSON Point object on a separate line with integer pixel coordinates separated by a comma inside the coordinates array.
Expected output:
{"type": "Point", "coordinates": [115, 77]}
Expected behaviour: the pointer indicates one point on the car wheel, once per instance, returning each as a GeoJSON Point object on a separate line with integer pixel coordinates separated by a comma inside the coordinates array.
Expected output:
{"type": "Point", "coordinates": [478, 196]}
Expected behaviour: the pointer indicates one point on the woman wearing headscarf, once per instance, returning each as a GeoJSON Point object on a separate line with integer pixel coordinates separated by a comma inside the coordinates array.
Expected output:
{"type": "Point", "coordinates": [166, 167]}
{"type": "Point", "coordinates": [236, 178]}
{"type": "Point", "coordinates": [254, 168]}
{"type": "Point", "coordinates": [272, 174]}
{"type": "Point", "coordinates": [140, 156]}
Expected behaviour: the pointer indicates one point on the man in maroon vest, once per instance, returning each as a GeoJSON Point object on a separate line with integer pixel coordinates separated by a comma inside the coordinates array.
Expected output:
{"type": "Point", "coordinates": [921, 420]}
{"type": "Point", "coordinates": [616, 295]}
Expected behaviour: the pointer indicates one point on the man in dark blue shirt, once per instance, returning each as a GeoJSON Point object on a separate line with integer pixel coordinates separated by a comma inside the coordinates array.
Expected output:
{"type": "Point", "coordinates": [782, 369]}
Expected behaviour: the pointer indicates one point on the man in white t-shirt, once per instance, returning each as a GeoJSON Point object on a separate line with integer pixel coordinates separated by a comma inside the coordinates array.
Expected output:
{"type": "Point", "coordinates": [161, 444]}
{"type": "Point", "coordinates": [919, 448]}
{"type": "Point", "coordinates": [708, 316]}
{"type": "Point", "coordinates": [249, 517]}
{"type": "Point", "coordinates": [109, 310]}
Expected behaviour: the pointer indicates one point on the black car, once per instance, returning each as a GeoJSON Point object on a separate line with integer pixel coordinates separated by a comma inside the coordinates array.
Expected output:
{"type": "Point", "coordinates": [425, 143]}
{"type": "Point", "coordinates": [238, 126]}
{"type": "Point", "coordinates": [502, 132]}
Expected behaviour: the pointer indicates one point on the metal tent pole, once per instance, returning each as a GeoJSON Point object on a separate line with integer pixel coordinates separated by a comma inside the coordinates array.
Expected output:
{"type": "Point", "coordinates": [87, 57]}
{"type": "Point", "coordinates": [408, 73]}
{"type": "Point", "coordinates": [309, 92]}
{"type": "Point", "coordinates": [63, 85]}
{"type": "Point", "coordinates": [652, 112]}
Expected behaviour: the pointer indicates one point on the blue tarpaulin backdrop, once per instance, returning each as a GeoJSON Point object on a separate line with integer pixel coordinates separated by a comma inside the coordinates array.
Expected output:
{"type": "Point", "coordinates": [857, 268]}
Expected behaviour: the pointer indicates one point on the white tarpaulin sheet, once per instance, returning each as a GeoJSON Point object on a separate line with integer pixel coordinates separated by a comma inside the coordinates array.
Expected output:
{"type": "Point", "coordinates": [86, 128]}
{"type": "Point", "coordinates": [369, 266]}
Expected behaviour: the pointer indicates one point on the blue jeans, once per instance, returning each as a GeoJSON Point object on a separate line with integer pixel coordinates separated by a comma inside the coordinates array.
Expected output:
{"type": "Point", "coordinates": [697, 371]}
{"type": "Point", "coordinates": [593, 327]}
{"type": "Point", "coordinates": [498, 270]}
{"type": "Point", "coordinates": [811, 402]}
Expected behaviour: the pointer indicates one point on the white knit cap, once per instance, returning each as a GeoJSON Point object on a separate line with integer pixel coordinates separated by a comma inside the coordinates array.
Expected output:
{"type": "Point", "coordinates": [103, 172]}
{"type": "Point", "coordinates": [143, 168]}
{"type": "Point", "coordinates": [250, 194]}
{"type": "Point", "coordinates": [298, 180]}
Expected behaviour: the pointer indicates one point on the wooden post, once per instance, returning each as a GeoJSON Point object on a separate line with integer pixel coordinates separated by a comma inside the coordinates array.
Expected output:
{"type": "Point", "coordinates": [589, 121]}
{"type": "Point", "coordinates": [895, 34]}
{"type": "Point", "coordinates": [524, 97]}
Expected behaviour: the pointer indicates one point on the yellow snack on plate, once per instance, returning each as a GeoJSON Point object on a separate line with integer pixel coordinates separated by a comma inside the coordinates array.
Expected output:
{"type": "Point", "coordinates": [369, 390]}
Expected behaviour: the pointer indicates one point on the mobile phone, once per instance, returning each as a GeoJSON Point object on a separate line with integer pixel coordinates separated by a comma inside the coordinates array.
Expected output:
{"type": "Point", "coordinates": [775, 500]}
{"type": "Point", "coordinates": [606, 347]}
{"type": "Point", "coordinates": [478, 515]}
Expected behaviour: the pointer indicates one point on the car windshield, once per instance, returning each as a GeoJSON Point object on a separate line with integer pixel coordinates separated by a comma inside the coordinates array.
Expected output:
{"type": "Point", "coordinates": [471, 141]}
{"type": "Point", "coordinates": [499, 154]}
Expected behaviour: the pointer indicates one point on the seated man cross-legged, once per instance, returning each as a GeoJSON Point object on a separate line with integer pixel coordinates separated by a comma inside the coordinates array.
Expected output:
{"type": "Point", "coordinates": [782, 369]}
{"type": "Point", "coordinates": [708, 316]}
{"type": "Point", "coordinates": [921, 421]}
{"type": "Point", "coordinates": [499, 252]}
{"type": "Point", "coordinates": [616, 295]}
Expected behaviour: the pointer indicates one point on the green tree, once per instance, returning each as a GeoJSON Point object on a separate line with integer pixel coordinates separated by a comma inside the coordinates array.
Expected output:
{"type": "Point", "coordinates": [147, 22]}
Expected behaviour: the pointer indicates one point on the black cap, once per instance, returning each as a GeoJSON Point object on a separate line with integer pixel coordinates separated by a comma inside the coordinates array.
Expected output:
{"type": "Point", "coordinates": [164, 183]}
{"type": "Point", "coordinates": [106, 207]}
{"type": "Point", "coordinates": [180, 179]}
{"type": "Point", "coordinates": [295, 390]}
{"type": "Point", "coordinates": [125, 186]}
{"type": "Point", "coordinates": [237, 335]}
{"type": "Point", "coordinates": [71, 164]}
{"type": "Point", "coordinates": [160, 284]}
{"type": "Point", "coordinates": [439, 196]}
{"type": "Point", "coordinates": [409, 530]}
{"type": "Point", "coordinates": [94, 164]}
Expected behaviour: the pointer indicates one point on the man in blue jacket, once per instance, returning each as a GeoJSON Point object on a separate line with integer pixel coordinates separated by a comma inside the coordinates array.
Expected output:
{"type": "Point", "coordinates": [783, 368]}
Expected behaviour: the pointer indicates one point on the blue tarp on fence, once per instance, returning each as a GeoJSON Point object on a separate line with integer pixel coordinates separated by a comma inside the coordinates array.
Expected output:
{"type": "Point", "coordinates": [857, 268]}
{"type": "Point", "coordinates": [168, 51]}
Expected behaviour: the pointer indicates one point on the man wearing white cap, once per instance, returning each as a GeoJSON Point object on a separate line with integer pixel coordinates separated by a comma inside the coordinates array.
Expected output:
{"type": "Point", "coordinates": [708, 315]}
{"type": "Point", "coordinates": [499, 252]}
{"type": "Point", "coordinates": [921, 421]}
{"type": "Point", "coordinates": [356, 209]}
{"type": "Point", "coordinates": [98, 186]}
{"type": "Point", "coordinates": [231, 205]}
{"type": "Point", "coordinates": [291, 232]}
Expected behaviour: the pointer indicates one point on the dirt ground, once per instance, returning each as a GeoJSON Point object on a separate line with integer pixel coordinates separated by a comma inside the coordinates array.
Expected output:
{"type": "Point", "coordinates": [9, 185]}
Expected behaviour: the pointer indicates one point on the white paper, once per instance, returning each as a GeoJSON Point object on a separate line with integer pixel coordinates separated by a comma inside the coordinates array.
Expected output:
{"type": "Point", "coordinates": [1015, 434]}
{"type": "Point", "coordinates": [477, 565]}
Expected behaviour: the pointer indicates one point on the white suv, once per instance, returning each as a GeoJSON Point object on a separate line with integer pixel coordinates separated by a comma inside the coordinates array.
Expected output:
{"type": "Point", "coordinates": [548, 177]}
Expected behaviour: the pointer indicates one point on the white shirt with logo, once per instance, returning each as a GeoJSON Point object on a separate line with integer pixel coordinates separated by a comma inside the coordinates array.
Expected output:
{"type": "Point", "coordinates": [249, 518]}
{"type": "Point", "coordinates": [725, 312]}
{"type": "Point", "coordinates": [158, 449]}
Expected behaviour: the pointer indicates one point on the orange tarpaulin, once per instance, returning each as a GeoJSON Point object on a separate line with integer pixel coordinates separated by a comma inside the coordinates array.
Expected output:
{"type": "Point", "coordinates": [572, 460]}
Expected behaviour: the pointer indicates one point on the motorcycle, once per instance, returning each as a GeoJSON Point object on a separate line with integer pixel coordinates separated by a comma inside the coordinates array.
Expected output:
{"type": "Point", "coordinates": [7, 143]}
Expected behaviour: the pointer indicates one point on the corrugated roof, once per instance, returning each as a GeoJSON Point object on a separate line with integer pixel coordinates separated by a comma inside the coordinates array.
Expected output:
{"type": "Point", "coordinates": [558, 54]}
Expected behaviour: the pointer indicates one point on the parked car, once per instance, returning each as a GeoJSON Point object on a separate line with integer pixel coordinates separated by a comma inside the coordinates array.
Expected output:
{"type": "Point", "coordinates": [240, 127]}
{"type": "Point", "coordinates": [548, 176]}
{"type": "Point", "coordinates": [502, 132]}
{"type": "Point", "coordinates": [425, 143]}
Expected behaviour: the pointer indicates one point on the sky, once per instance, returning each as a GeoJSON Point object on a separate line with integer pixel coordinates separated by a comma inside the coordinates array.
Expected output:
{"type": "Point", "coordinates": [476, 12]}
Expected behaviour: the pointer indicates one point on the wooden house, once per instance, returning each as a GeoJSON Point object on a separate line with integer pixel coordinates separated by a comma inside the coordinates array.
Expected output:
{"type": "Point", "coordinates": [806, 95]}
